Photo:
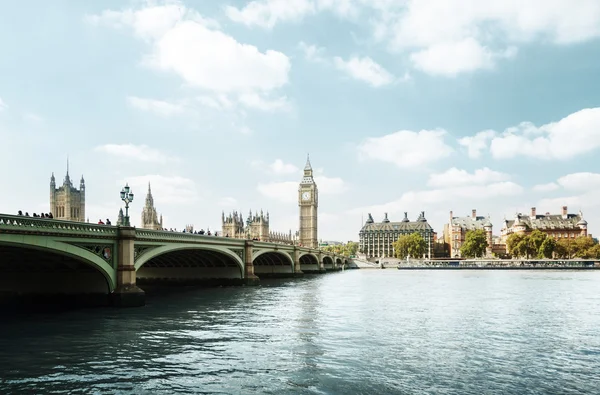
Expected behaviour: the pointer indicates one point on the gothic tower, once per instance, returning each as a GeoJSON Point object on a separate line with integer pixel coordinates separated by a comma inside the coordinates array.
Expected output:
{"type": "Point", "coordinates": [308, 201]}
{"type": "Point", "coordinates": [149, 216]}
{"type": "Point", "coordinates": [66, 202]}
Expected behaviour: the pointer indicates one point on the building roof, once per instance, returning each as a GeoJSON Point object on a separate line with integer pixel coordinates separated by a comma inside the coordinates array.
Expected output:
{"type": "Point", "coordinates": [471, 223]}
{"type": "Point", "coordinates": [547, 222]}
{"type": "Point", "coordinates": [405, 225]}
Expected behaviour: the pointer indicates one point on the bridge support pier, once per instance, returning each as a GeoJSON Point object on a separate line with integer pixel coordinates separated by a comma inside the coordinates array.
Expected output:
{"type": "Point", "coordinates": [127, 293]}
{"type": "Point", "coordinates": [249, 277]}
{"type": "Point", "coordinates": [297, 271]}
{"type": "Point", "coordinates": [321, 264]}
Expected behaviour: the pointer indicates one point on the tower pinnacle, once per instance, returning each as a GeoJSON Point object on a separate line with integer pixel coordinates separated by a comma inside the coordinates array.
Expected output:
{"type": "Point", "coordinates": [307, 167]}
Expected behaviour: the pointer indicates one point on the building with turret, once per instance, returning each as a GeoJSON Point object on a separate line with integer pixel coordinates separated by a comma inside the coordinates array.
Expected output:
{"type": "Point", "coordinates": [67, 202]}
{"type": "Point", "coordinates": [150, 219]}
{"type": "Point", "coordinates": [256, 227]}
{"type": "Point", "coordinates": [455, 231]}
{"type": "Point", "coordinates": [557, 226]}
{"type": "Point", "coordinates": [377, 238]}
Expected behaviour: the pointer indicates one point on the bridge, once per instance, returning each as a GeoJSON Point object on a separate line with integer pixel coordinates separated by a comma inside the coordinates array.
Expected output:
{"type": "Point", "coordinates": [41, 256]}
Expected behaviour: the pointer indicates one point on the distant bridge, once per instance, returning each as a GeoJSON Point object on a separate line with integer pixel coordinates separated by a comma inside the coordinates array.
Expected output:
{"type": "Point", "coordinates": [46, 256]}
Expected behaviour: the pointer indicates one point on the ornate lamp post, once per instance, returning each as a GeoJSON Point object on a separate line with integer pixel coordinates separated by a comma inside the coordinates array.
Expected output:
{"type": "Point", "coordinates": [127, 197]}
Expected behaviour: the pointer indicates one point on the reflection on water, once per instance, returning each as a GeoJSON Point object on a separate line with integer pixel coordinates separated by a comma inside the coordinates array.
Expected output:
{"type": "Point", "coordinates": [356, 332]}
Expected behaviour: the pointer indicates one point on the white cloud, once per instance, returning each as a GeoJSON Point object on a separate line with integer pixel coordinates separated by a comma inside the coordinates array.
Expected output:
{"type": "Point", "coordinates": [280, 167]}
{"type": "Point", "coordinates": [478, 143]}
{"type": "Point", "coordinates": [287, 191]}
{"type": "Point", "coordinates": [228, 202]}
{"type": "Point", "coordinates": [159, 107]}
{"type": "Point", "coordinates": [406, 148]}
{"type": "Point", "coordinates": [417, 200]}
{"type": "Point", "coordinates": [479, 32]}
{"type": "Point", "coordinates": [551, 186]}
{"type": "Point", "coordinates": [576, 134]}
{"type": "Point", "coordinates": [165, 189]}
{"type": "Point", "coordinates": [253, 100]}
{"type": "Point", "coordinates": [454, 177]}
{"type": "Point", "coordinates": [3, 105]}
{"type": "Point", "coordinates": [245, 130]}
{"type": "Point", "coordinates": [312, 52]}
{"type": "Point", "coordinates": [185, 43]}
{"type": "Point", "coordinates": [141, 153]}
{"type": "Point", "coordinates": [584, 181]}
{"type": "Point", "coordinates": [364, 69]}
{"type": "Point", "coordinates": [452, 58]}
{"type": "Point", "coordinates": [330, 185]}
{"type": "Point", "coordinates": [150, 22]}
{"type": "Point", "coordinates": [267, 13]}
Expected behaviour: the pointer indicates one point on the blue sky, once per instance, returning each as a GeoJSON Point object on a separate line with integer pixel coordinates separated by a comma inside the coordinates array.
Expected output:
{"type": "Point", "coordinates": [413, 106]}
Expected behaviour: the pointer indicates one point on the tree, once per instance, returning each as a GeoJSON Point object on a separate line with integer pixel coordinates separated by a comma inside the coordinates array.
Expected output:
{"type": "Point", "coordinates": [536, 239]}
{"type": "Point", "coordinates": [594, 252]}
{"type": "Point", "coordinates": [583, 245]}
{"type": "Point", "coordinates": [566, 248]}
{"type": "Point", "coordinates": [512, 242]}
{"type": "Point", "coordinates": [412, 244]}
{"type": "Point", "coordinates": [475, 244]}
{"type": "Point", "coordinates": [547, 248]}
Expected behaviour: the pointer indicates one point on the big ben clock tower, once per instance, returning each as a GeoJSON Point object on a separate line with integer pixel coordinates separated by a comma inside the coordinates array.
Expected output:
{"type": "Point", "coordinates": [308, 200]}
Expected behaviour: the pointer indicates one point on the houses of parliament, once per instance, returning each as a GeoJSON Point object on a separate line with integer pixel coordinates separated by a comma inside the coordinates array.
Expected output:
{"type": "Point", "coordinates": [68, 203]}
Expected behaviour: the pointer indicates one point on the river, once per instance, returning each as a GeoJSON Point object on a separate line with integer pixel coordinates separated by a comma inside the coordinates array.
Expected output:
{"type": "Point", "coordinates": [353, 332]}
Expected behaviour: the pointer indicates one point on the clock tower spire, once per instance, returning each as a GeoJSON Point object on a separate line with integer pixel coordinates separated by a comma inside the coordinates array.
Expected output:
{"type": "Point", "coordinates": [308, 202]}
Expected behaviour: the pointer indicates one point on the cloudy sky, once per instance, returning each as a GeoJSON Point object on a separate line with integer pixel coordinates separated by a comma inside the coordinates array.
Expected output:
{"type": "Point", "coordinates": [422, 105]}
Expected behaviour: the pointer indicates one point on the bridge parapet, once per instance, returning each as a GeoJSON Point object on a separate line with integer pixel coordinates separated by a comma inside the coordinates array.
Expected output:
{"type": "Point", "coordinates": [23, 224]}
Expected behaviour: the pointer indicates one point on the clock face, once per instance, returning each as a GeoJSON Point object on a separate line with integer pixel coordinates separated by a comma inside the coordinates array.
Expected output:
{"type": "Point", "coordinates": [305, 195]}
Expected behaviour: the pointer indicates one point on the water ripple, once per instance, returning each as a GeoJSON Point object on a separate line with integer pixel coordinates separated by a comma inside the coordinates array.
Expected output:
{"type": "Point", "coordinates": [358, 332]}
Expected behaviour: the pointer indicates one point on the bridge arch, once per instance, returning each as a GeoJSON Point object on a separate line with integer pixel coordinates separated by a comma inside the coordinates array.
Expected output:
{"type": "Point", "coordinates": [189, 262]}
{"type": "Point", "coordinates": [272, 263]}
{"type": "Point", "coordinates": [328, 262]}
{"type": "Point", "coordinates": [28, 262]}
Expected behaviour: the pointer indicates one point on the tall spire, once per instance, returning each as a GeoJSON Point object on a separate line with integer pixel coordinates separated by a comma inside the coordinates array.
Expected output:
{"type": "Point", "coordinates": [307, 167]}
{"type": "Point", "coordinates": [67, 178]}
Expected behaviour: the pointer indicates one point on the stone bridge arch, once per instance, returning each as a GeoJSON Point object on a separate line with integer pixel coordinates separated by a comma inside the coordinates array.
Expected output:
{"type": "Point", "coordinates": [272, 263]}
{"type": "Point", "coordinates": [328, 262]}
{"type": "Point", "coordinates": [309, 262]}
{"type": "Point", "coordinates": [338, 261]}
{"type": "Point", "coordinates": [32, 264]}
{"type": "Point", "coordinates": [189, 263]}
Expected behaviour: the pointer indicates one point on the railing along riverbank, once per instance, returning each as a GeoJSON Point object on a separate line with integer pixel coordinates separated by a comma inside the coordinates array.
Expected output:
{"type": "Point", "coordinates": [502, 264]}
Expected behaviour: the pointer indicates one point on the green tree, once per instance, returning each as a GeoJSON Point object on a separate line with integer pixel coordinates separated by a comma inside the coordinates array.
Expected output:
{"type": "Point", "coordinates": [565, 248]}
{"type": "Point", "coordinates": [583, 245]}
{"type": "Point", "coordinates": [512, 242]}
{"type": "Point", "coordinates": [351, 248]}
{"type": "Point", "coordinates": [547, 248]}
{"type": "Point", "coordinates": [475, 244]}
{"type": "Point", "coordinates": [412, 244]}
{"type": "Point", "coordinates": [594, 252]}
{"type": "Point", "coordinates": [536, 239]}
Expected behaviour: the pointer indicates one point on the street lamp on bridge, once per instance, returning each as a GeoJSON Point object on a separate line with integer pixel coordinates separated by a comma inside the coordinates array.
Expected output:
{"type": "Point", "coordinates": [127, 197]}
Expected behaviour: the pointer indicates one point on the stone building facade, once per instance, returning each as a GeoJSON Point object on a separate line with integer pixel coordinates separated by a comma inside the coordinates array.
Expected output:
{"type": "Point", "coordinates": [557, 226]}
{"type": "Point", "coordinates": [66, 201]}
{"type": "Point", "coordinates": [376, 239]}
{"type": "Point", "coordinates": [150, 219]}
{"type": "Point", "coordinates": [455, 231]}
{"type": "Point", "coordinates": [256, 227]}
{"type": "Point", "coordinates": [308, 203]}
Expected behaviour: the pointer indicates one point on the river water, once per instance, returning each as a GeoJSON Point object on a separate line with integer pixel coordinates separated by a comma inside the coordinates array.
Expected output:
{"type": "Point", "coordinates": [353, 332]}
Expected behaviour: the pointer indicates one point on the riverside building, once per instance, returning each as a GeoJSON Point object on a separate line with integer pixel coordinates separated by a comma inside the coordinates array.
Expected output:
{"type": "Point", "coordinates": [67, 202]}
{"type": "Point", "coordinates": [377, 238]}
{"type": "Point", "coordinates": [455, 231]}
{"type": "Point", "coordinates": [557, 226]}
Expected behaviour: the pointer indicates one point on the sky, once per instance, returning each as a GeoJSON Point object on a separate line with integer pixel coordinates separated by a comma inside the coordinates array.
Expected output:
{"type": "Point", "coordinates": [403, 105]}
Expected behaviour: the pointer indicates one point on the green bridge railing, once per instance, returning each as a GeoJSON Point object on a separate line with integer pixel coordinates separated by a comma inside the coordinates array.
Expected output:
{"type": "Point", "coordinates": [21, 223]}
